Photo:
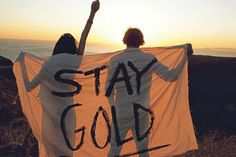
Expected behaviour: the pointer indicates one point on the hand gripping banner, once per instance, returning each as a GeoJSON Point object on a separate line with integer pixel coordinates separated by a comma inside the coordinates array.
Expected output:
{"type": "Point", "coordinates": [132, 102]}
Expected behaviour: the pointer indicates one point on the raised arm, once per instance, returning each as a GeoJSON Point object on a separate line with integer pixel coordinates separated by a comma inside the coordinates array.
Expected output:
{"type": "Point", "coordinates": [94, 8]}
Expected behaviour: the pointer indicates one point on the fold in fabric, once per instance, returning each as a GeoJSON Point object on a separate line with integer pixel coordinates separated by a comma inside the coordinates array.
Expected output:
{"type": "Point", "coordinates": [80, 107]}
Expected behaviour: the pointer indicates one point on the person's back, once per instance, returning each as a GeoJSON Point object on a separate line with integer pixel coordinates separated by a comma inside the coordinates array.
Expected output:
{"type": "Point", "coordinates": [129, 84]}
{"type": "Point", "coordinates": [57, 139]}
{"type": "Point", "coordinates": [123, 99]}
{"type": "Point", "coordinates": [124, 88]}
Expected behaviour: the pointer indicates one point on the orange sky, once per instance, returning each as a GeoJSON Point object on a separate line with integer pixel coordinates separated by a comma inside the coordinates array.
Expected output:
{"type": "Point", "coordinates": [204, 23]}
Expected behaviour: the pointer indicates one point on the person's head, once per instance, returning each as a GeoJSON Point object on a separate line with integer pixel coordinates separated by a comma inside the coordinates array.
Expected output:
{"type": "Point", "coordinates": [133, 38]}
{"type": "Point", "coordinates": [66, 44]}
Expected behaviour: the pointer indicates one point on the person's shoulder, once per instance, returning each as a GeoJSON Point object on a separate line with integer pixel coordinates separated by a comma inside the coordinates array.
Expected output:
{"type": "Point", "coordinates": [150, 55]}
{"type": "Point", "coordinates": [117, 57]}
{"type": "Point", "coordinates": [147, 55]}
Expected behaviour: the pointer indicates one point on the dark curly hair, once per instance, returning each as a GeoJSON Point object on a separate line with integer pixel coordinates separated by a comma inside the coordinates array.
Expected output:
{"type": "Point", "coordinates": [66, 44]}
{"type": "Point", "coordinates": [133, 37]}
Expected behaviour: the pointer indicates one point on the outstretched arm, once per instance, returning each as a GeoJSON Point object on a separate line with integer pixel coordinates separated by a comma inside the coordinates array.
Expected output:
{"type": "Point", "coordinates": [30, 85]}
{"type": "Point", "coordinates": [94, 8]}
{"type": "Point", "coordinates": [173, 74]}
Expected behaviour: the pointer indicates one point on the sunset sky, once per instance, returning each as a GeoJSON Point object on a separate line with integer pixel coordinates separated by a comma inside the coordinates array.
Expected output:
{"type": "Point", "coordinates": [204, 23]}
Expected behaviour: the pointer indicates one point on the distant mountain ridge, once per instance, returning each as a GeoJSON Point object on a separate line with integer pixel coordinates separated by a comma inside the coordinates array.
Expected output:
{"type": "Point", "coordinates": [212, 92]}
{"type": "Point", "coordinates": [217, 52]}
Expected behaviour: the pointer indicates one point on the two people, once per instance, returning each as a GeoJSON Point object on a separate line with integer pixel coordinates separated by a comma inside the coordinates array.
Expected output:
{"type": "Point", "coordinates": [67, 54]}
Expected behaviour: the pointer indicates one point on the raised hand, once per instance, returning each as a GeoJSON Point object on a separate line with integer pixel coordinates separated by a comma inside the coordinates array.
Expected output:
{"type": "Point", "coordinates": [21, 57]}
{"type": "Point", "coordinates": [189, 50]}
{"type": "Point", "coordinates": [95, 6]}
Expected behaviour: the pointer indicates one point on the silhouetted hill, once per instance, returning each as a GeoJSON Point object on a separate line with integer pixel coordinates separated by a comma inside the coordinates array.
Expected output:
{"type": "Point", "coordinates": [6, 68]}
{"type": "Point", "coordinates": [16, 138]}
{"type": "Point", "coordinates": [212, 92]}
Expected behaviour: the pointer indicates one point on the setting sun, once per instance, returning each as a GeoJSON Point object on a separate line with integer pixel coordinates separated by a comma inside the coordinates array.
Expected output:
{"type": "Point", "coordinates": [204, 23]}
{"type": "Point", "coordinates": [117, 78]}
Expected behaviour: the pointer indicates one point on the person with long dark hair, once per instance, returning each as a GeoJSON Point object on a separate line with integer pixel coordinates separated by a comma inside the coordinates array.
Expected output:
{"type": "Point", "coordinates": [67, 54]}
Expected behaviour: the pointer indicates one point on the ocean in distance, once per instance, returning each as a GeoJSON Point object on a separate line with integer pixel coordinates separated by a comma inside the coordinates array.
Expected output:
{"type": "Point", "coordinates": [11, 48]}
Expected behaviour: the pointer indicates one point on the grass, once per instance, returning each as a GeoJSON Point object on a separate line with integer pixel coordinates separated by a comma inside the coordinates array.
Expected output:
{"type": "Point", "coordinates": [214, 144]}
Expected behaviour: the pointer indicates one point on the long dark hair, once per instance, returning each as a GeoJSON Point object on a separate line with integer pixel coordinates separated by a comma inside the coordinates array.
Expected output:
{"type": "Point", "coordinates": [66, 44]}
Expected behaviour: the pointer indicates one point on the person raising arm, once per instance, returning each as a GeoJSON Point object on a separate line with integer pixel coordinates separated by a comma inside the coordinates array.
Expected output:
{"type": "Point", "coordinates": [94, 8]}
{"type": "Point", "coordinates": [66, 44]}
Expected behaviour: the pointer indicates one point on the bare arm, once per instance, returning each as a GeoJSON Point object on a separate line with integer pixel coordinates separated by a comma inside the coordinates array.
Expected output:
{"type": "Point", "coordinates": [173, 74]}
{"type": "Point", "coordinates": [94, 8]}
{"type": "Point", "coordinates": [30, 85]}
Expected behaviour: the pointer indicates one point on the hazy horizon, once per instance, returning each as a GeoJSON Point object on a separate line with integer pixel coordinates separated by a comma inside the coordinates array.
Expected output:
{"type": "Point", "coordinates": [122, 45]}
{"type": "Point", "coordinates": [204, 23]}
{"type": "Point", "coordinates": [11, 48]}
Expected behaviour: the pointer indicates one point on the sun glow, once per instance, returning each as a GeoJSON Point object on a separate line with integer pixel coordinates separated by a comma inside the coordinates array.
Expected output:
{"type": "Point", "coordinates": [204, 23]}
